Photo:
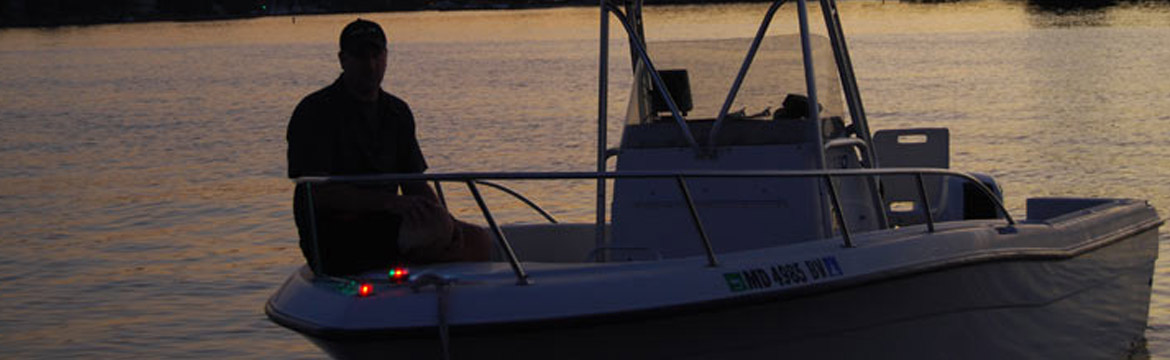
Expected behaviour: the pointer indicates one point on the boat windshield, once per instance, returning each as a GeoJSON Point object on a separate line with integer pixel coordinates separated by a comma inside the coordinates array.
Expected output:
{"type": "Point", "coordinates": [710, 68]}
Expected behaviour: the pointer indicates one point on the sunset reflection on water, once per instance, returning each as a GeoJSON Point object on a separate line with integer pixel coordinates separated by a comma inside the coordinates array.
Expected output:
{"type": "Point", "coordinates": [144, 207]}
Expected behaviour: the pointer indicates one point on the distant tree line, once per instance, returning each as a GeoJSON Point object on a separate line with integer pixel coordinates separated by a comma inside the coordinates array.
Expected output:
{"type": "Point", "coordinates": [65, 12]}
{"type": "Point", "coordinates": [15, 13]}
{"type": "Point", "coordinates": [61, 12]}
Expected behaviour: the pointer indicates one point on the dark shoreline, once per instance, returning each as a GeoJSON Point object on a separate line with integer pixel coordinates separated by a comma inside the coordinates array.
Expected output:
{"type": "Point", "coordinates": [60, 13]}
{"type": "Point", "coordinates": [16, 14]}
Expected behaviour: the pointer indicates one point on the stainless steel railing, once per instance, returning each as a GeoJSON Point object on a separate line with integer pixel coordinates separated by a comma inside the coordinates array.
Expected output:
{"type": "Point", "coordinates": [471, 180]}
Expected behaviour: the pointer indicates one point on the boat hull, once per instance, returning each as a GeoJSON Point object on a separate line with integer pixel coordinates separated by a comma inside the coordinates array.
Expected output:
{"type": "Point", "coordinates": [1090, 302]}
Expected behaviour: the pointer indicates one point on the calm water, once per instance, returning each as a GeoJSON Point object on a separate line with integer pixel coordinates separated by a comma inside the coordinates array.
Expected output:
{"type": "Point", "coordinates": [144, 211]}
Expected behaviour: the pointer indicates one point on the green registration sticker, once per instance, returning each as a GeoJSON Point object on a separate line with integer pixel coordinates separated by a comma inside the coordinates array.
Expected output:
{"type": "Point", "coordinates": [735, 282]}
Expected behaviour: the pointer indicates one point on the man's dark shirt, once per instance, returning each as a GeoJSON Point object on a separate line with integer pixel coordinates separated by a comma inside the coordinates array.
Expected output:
{"type": "Point", "coordinates": [333, 133]}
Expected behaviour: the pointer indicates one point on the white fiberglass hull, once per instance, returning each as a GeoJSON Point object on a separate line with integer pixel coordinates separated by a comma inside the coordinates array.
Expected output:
{"type": "Point", "coordinates": [1063, 291]}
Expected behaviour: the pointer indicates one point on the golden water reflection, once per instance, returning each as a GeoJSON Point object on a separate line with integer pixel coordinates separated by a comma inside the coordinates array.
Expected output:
{"type": "Point", "coordinates": [142, 166]}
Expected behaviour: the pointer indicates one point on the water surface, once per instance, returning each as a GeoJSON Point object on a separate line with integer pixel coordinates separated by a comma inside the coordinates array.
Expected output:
{"type": "Point", "coordinates": [144, 211]}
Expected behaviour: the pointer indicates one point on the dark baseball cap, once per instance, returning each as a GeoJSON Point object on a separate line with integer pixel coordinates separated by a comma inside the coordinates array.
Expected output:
{"type": "Point", "coordinates": [361, 36]}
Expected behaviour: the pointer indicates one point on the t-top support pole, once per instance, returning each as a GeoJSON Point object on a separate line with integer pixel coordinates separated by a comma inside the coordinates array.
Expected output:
{"type": "Point", "coordinates": [602, 115]}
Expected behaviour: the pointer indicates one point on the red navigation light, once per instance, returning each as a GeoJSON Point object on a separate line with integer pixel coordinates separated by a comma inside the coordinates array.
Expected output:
{"type": "Point", "coordinates": [366, 289]}
{"type": "Point", "coordinates": [398, 273]}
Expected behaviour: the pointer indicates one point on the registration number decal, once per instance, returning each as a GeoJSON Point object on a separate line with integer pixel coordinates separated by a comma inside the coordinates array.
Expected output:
{"type": "Point", "coordinates": [784, 275]}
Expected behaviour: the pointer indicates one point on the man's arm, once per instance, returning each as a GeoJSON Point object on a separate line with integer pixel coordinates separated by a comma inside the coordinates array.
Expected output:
{"type": "Point", "coordinates": [419, 188]}
{"type": "Point", "coordinates": [411, 159]}
{"type": "Point", "coordinates": [349, 198]}
{"type": "Point", "coordinates": [308, 141]}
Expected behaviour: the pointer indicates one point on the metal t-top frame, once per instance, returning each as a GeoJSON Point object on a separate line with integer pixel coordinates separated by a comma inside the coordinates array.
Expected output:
{"type": "Point", "coordinates": [633, 25]}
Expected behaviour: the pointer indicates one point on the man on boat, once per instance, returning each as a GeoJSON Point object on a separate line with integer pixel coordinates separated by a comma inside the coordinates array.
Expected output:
{"type": "Point", "coordinates": [353, 127]}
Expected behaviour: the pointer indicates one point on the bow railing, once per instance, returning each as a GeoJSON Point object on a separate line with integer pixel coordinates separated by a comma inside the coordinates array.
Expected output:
{"type": "Point", "coordinates": [473, 180]}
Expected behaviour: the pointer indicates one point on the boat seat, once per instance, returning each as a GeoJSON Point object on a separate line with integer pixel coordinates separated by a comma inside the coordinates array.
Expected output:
{"type": "Point", "coordinates": [912, 148]}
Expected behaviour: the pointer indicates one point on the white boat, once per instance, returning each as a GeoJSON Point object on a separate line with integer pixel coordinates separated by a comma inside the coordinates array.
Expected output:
{"type": "Point", "coordinates": [758, 236]}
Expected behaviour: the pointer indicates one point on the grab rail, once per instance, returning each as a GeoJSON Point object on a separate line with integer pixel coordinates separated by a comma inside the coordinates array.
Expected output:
{"type": "Point", "coordinates": [518, 196]}
{"type": "Point", "coordinates": [471, 179]}
{"type": "Point", "coordinates": [506, 190]}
